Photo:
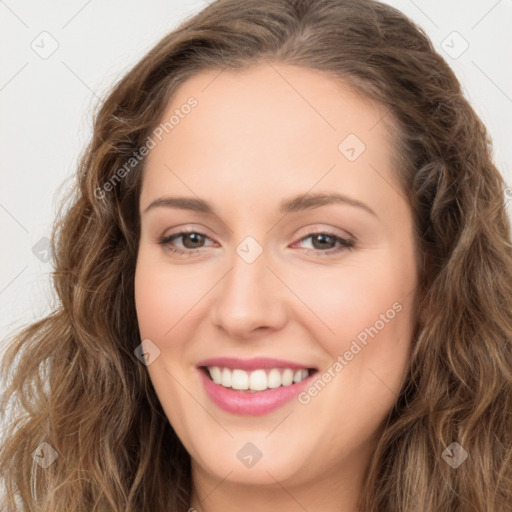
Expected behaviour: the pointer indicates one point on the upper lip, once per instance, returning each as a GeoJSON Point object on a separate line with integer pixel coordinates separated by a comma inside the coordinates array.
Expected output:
{"type": "Point", "coordinates": [252, 364]}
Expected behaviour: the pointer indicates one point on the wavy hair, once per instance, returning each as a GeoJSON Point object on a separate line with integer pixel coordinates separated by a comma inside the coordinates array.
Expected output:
{"type": "Point", "coordinates": [72, 380]}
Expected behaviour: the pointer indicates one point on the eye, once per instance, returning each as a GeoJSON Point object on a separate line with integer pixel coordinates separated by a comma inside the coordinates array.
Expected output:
{"type": "Point", "coordinates": [191, 240]}
{"type": "Point", "coordinates": [324, 242]}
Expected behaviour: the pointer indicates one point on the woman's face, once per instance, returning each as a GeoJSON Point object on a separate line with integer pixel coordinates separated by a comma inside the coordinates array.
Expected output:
{"type": "Point", "coordinates": [279, 279]}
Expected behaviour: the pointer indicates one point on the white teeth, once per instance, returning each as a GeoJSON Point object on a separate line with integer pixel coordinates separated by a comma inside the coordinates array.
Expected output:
{"type": "Point", "coordinates": [239, 379]}
{"type": "Point", "coordinates": [300, 375]}
{"type": "Point", "coordinates": [256, 380]}
{"type": "Point", "coordinates": [216, 374]}
{"type": "Point", "coordinates": [287, 377]}
{"type": "Point", "coordinates": [226, 378]}
{"type": "Point", "coordinates": [274, 378]}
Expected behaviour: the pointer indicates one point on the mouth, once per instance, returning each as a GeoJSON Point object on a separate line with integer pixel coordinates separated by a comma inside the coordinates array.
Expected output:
{"type": "Point", "coordinates": [255, 386]}
{"type": "Point", "coordinates": [257, 380]}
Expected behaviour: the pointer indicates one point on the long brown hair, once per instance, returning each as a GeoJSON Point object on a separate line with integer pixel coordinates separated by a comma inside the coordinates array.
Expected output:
{"type": "Point", "coordinates": [72, 379]}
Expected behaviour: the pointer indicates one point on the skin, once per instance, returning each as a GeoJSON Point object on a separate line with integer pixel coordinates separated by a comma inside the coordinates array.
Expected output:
{"type": "Point", "coordinates": [257, 137]}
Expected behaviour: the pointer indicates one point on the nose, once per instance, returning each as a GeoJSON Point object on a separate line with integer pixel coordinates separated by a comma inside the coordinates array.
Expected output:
{"type": "Point", "coordinates": [249, 300]}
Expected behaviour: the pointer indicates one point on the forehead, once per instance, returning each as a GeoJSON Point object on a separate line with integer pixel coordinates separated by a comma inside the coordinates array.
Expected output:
{"type": "Point", "coordinates": [269, 125]}
{"type": "Point", "coordinates": [288, 101]}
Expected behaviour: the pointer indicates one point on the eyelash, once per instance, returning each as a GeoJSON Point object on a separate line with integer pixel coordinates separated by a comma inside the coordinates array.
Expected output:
{"type": "Point", "coordinates": [344, 243]}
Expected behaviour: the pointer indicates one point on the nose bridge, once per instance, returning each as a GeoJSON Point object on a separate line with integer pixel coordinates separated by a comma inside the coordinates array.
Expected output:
{"type": "Point", "coordinates": [249, 296]}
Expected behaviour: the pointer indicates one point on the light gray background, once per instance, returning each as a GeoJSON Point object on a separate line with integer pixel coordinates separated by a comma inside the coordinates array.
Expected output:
{"type": "Point", "coordinates": [46, 103]}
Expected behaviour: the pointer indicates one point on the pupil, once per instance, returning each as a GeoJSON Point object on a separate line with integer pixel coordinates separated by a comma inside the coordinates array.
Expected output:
{"type": "Point", "coordinates": [189, 236]}
{"type": "Point", "coordinates": [321, 238]}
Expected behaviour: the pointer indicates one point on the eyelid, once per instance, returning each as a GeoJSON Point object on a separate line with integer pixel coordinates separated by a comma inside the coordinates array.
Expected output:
{"type": "Point", "coordinates": [315, 229]}
{"type": "Point", "coordinates": [344, 243]}
{"type": "Point", "coordinates": [164, 240]}
{"type": "Point", "coordinates": [331, 231]}
{"type": "Point", "coordinates": [187, 228]}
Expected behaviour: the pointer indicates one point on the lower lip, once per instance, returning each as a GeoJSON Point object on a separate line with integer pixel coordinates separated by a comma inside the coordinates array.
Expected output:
{"type": "Point", "coordinates": [251, 403]}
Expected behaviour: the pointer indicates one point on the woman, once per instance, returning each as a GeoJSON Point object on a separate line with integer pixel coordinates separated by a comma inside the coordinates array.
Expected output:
{"type": "Point", "coordinates": [285, 281]}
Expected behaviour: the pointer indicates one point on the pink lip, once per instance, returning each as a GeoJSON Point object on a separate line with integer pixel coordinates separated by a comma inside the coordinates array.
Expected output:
{"type": "Point", "coordinates": [250, 403]}
{"type": "Point", "coordinates": [251, 364]}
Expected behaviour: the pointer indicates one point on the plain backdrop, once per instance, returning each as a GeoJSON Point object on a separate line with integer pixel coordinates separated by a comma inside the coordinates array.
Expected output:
{"type": "Point", "coordinates": [58, 57]}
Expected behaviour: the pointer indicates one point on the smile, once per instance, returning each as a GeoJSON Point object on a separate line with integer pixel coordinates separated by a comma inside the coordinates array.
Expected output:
{"type": "Point", "coordinates": [257, 380]}
{"type": "Point", "coordinates": [255, 386]}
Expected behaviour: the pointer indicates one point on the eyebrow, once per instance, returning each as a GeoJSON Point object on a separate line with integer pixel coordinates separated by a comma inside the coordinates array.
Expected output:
{"type": "Point", "coordinates": [294, 204]}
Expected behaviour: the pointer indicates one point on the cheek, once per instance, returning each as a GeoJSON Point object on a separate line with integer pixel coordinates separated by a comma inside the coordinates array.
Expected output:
{"type": "Point", "coordinates": [364, 320]}
{"type": "Point", "coordinates": [152, 305]}
{"type": "Point", "coordinates": [164, 295]}
{"type": "Point", "coordinates": [345, 302]}
{"type": "Point", "coordinates": [164, 304]}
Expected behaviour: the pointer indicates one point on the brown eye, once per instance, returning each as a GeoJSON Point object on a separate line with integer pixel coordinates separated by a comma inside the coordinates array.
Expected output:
{"type": "Point", "coordinates": [192, 240]}
{"type": "Point", "coordinates": [323, 241]}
